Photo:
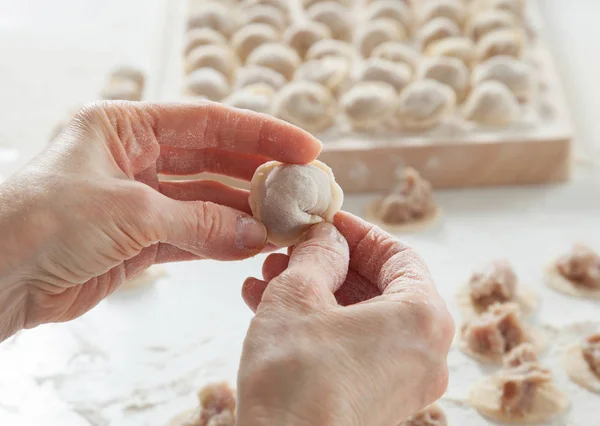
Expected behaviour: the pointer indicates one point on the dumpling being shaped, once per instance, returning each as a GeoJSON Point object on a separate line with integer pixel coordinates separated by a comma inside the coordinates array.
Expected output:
{"type": "Point", "coordinates": [289, 198]}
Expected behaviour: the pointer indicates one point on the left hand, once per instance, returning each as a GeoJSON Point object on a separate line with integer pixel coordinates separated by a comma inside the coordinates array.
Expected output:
{"type": "Point", "coordinates": [90, 212]}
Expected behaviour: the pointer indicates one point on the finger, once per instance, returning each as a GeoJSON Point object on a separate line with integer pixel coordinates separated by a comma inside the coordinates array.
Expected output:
{"type": "Point", "coordinates": [274, 265]}
{"type": "Point", "coordinates": [210, 230]}
{"type": "Point", "coordinates": [317, 268]}
{"type": "Point", "coordinates": [356, 289]}
{"type": "Point", "coordinates": [168, 253]}
{"type": "Point", "coordinates": [207, 190]}
{"type": "Point", "coordinates": [182, 162]}
{"type": "Point", "coordinates": [213, 125]}
{"type": "Point", "coordinates": [380, 258]}
{"type": "Point", "coordinates": [252, 292]}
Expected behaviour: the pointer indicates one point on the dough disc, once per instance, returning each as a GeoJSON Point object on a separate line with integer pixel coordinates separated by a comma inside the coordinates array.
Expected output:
{"type": "Point", "coordinates": [559, 283]}
{"type": "Point", "coordinates": [579, 371]}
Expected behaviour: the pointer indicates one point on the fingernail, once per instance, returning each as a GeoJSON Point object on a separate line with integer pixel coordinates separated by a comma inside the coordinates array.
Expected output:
{"type": "Point", "coordinates": [250, 233]}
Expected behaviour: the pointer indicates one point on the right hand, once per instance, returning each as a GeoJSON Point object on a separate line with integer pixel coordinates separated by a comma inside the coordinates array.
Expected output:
{"type": "Point", "coordinates": [349, 330]}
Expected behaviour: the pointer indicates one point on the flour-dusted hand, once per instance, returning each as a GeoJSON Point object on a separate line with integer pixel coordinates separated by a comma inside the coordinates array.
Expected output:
{"type": "Point", "coordinates": [349, 330]}
{"type": "Point", "coordinates": [91, 211]}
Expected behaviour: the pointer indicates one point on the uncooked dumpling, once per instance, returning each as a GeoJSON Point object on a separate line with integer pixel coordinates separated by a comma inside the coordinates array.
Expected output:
{"type": "Point", "coordinates": [428, 416]}
{"type": "Point", "coordinates": [308, 3]}
{"type": "Point", "coordinates": [207, 83]}
{"type": "Point", "coordinates": [437, 29]}
{"type": "Point", "coordinates": [250, 37]}
{"type": "Point", "coordinates": [216, 407]}
{"type": "Point", "coordinates": [521, 394]}
{"type": "Point", "coordinates": [325, 48]}
{"type": "Point", "coordinates": [396, 74]}
{"type": "Point", "coordinates": [334, 16]}
{"type": "Point", "coordinates": [506, 42]}
{"type": "Point", "coordinates": [125, 90]}
{"type": "Point", "coordinates": [282, 5]}
{"type": "Point", "coordinates": [376, 33]}
{"type": "Point", "coordinates": [491, 103]}
{"type": "Point", "coordinates": [368, 104]}
{"type": "Point", "coordinates": [307, 105]}
{"type": "Point", "coordinates": [302, 36]}
{"type": "Point", "coordinates": [268, 15]}
{"type": "Point", "coordinates": [449, 71]}
{"type": "Point", "coordinates": [254, 74]}
{"type": "Point", "coordinates": [391, 9]}
{"type": "Point", "coordinates": [576, 273]}
{"type": "Point", "coordinates": [513, 73]}
{"type": "Point", "coordinates": [483, 23]}
{"type": "Point", "coordinates": [454, 47]}
{"type": "Point", "coordinates": [216, 16]}
{"type": "Point", "coordinates": [218, 57]}
{"type": "Point", "coordinates": [397, 52]}
{"type": "Point", "coordinates": [201, 37]}
{"type": "Point", "coordinates": [495, 282]}
{"type": "Point", "coordinates": [279, 57]}
{"type": "Point", "coordinates": [582, 362]}
{"type": "Point", "coordinates": [256, 97]}
{"type": "Point", "coordinates": [289, 198]}
{"type": "Point", "coordinates": [515, 7]}
{"type": "Point", "coordinates": [331, 72]}
{"type": "Point", "coordinates": [423, 104]}
{"type": "Point", "coordinates": [451, 9]}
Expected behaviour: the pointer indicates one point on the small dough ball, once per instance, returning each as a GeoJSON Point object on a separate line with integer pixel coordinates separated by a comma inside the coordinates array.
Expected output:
{"type": "Point", "coordinates": [492, 104]}
{"type": "Point", "coordinates": [452, 9]}
{"type": "Point", "coordinates": [397, 52]}
{"type": "Point", "coordinates": [423, 104]}
{"type": "Point", "coordinates": [307, 105]}
{"type": "Point", "coordinates": [334, 16]}
{"type": "Point", "coordinates": [449, 71]}
{"type": "Point", "coordinates": [279, 57]}
{"type": "Point", "coordinates": [396, 74]}
{"type": "Point", "coordinates": [126, 72]}
{"type": "Point", "coordinates": [201, 37]}
{"type": "Point", "coordinates": [325, 48]}
{"type": "Point", "coordinates": [507, 42]}
{"type": "Point", "coordinates": [216, 16]}
{"type": "Point", "coordinates": [218, 57]}
{"type": "Point", "coordinates": [253, 74]}
{"type": "Point", "coordinates": [331, 72]}
{"type": "Point", "coordinates": [491, 20]}
{"type": "Point", "coordinates": [515, 74]}
{"type": "Point", "coordinates": [289, 198]}
{"type": "Point", "coordinates": [207, 83]}
{"type": "Point", "coordinates": [376, 33]}
{"type": "Point", "coordinates": [368, 104]}
{"type": "Point", "coordinates": [123, 90]}
{"type": "Point", "coordinates": [256, 97]}
{"type": "Point", "coordinates": [281, 5]}
{"type": "Point", "coordinates": [391, 9]}
{"type": "Point", "coordinates": [302, 36]}
{"type": "Point", "coordinates": [250, 37]}
{"type": "Point", "coordinates": [437, 29]}
{"type": "Point", "coordinates": [268, 15]}
{"type": "Point", "coordinates": [454, 47]}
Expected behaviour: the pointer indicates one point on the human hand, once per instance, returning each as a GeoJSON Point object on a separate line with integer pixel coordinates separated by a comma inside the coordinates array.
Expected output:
{"type": "Point", "coordinates": [90, 212]}
{"type": "Point", "coordinates": [309, 361]}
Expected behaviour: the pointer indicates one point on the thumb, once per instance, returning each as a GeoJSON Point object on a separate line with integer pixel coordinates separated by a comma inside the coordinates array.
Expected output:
{"type": "Point", "coordinates": [211, 230]}
{"type": "Point", "coordinates": [317, 268]}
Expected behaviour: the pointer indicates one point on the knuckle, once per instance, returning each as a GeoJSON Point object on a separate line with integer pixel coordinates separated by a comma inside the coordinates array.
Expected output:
{"type": "Point", "coordinates": [208, 221]}
{"type": "Point", "coordinates": [299, 289]}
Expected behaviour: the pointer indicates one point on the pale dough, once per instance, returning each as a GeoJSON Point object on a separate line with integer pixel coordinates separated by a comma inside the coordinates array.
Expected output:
{"type": "Point", "coordinates": [491, 103]}
{"type": "Point", "coordinates": [559, 283]}
{"type": "Point", "coordinates": [428, 416]}
{"type": "Point", "coordinates": [578, 369]}
{"type": "Point", "coordinates": [290, 198]}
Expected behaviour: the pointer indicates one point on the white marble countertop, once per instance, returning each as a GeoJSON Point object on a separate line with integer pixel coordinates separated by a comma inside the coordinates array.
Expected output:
{"type": "Point", "coordinates": [139, 357]}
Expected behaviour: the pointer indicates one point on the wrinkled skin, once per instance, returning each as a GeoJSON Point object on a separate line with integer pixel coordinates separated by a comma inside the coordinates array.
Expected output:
{"type": "Point", "coordinates": [351, 364]}
{"type": "Point", "coordinates": [91, 212]}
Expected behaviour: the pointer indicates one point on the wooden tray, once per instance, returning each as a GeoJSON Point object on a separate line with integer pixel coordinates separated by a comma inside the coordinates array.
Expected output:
{"type": "Point", "coordinates": [541, 154]}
